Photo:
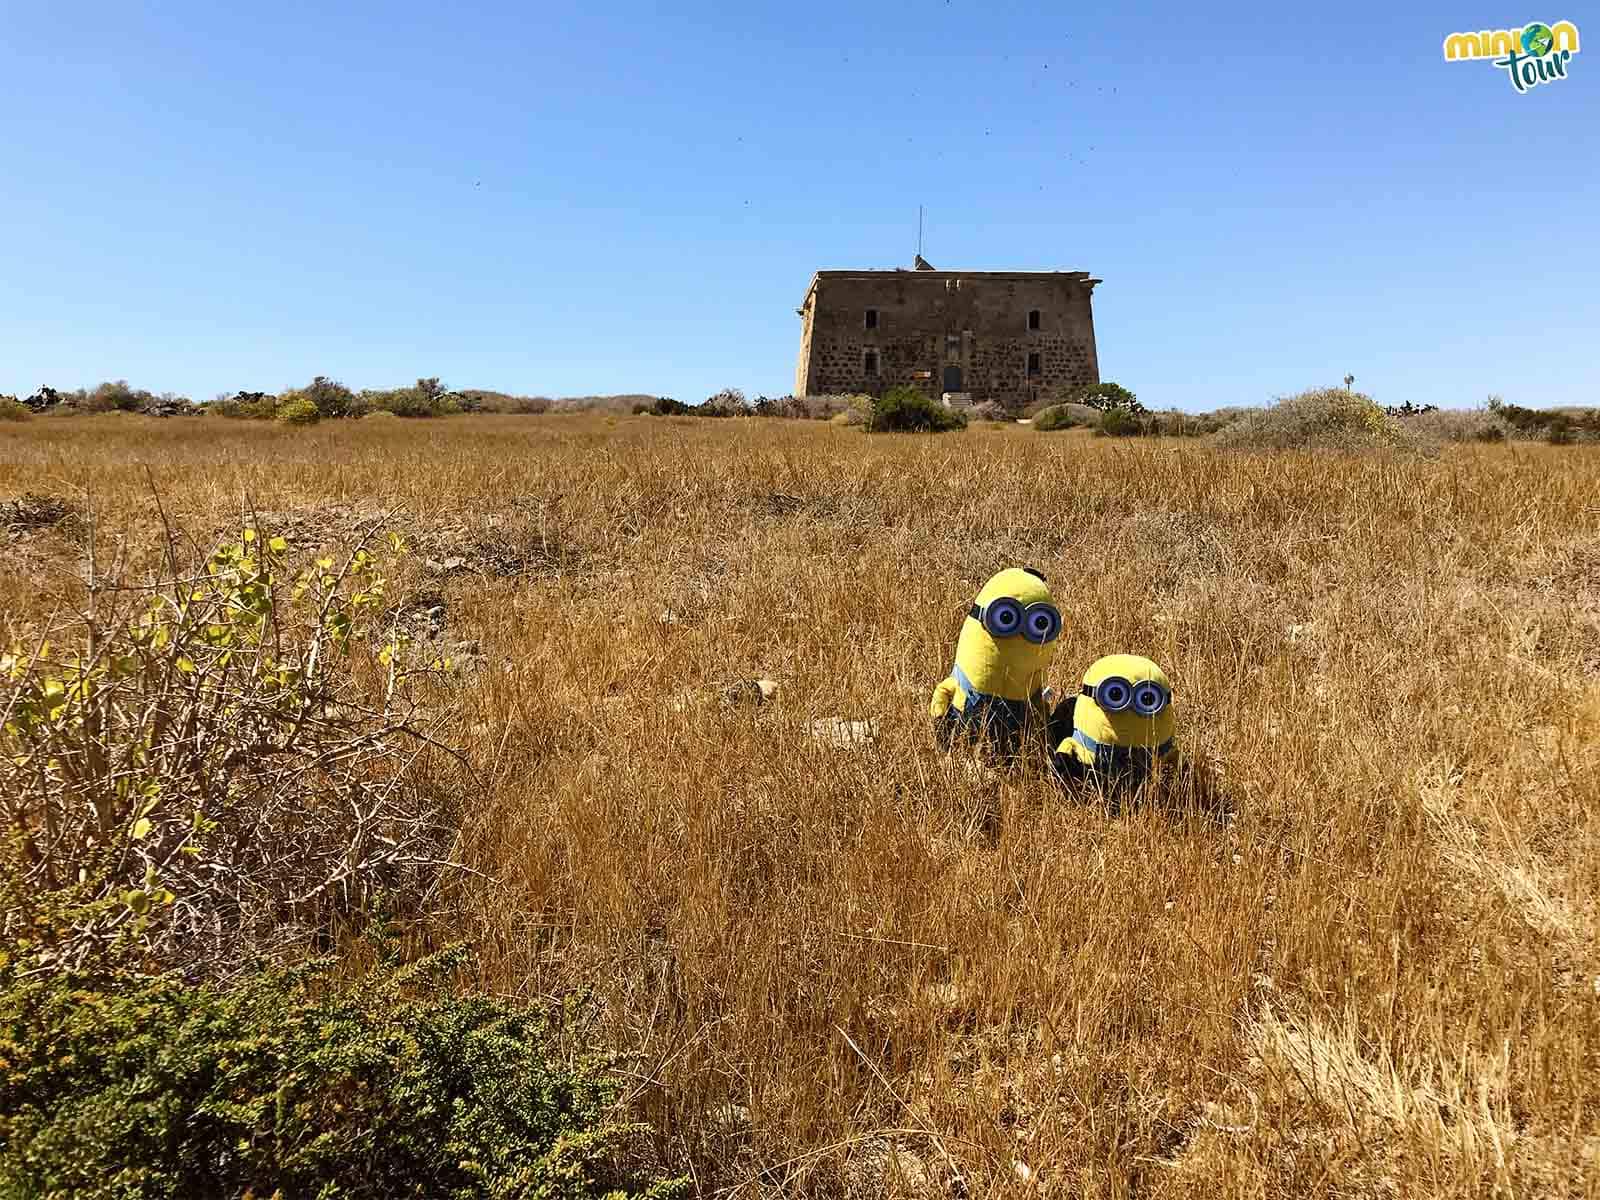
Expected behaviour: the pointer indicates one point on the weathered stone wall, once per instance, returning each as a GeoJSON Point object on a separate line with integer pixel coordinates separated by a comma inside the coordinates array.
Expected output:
{"type": "Point", "coordinates": [930, 320]}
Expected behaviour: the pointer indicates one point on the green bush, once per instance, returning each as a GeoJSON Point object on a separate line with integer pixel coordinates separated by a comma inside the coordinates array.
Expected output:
{"type": "Point", "coordinates": [729, 402]}
{"type": "Point", "coordinates": [287, 1086]}
{"type": "Point", "coordinates": [1460, 425]}
{"type": "Point", "coordinates": [906, 410]}
{"type": "Point", "coordinates": [298, 411]}
{"type": "Point", "coordinates": [116, 396]}
{"type": "Point", "coordinates": [331, 397]}
{"type": "Point", "coordinates": [12, 409]}
{"type": "Point", "coordinates": [1558, 426]}
{"type": "Point", "coordinates": [1118, 422]}
{"type": "Point", "coordinates": [425, 398]}
{"type": "Point", "coordinates": [664, 406]}
{"type": "Point", "coordinates": [259, 406]}
{"type": "Point", "coordinates": [1064, 416]}
{"type": "Point", "coordinates": [1321, 418]}
{"type": "Point", "coordinates": [1104, 396]}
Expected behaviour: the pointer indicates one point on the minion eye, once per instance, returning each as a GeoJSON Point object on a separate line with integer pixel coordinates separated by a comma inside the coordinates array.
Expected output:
{"type": "Point", "coordinates": [1042, 624]}
{"type": "Point", "coordinates": [1149, 698]}
{"type": "Point", "coordinates": [1113, 694]}
{"type": "Point", "coordinates": [1003, 617]}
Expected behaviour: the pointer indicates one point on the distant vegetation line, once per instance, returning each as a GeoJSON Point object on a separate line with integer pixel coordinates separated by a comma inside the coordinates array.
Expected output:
{"type": "Point", "coordinates": [1320, 416]}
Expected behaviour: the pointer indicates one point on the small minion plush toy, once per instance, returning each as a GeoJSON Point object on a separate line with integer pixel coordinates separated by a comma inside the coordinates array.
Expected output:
{"type": "Point", "coordinates": [996, 687]}
{"type": "Point", "coordinates": [1122, 720]}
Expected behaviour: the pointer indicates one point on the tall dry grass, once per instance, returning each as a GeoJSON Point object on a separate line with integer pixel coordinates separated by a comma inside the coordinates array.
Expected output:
{"type": "Point", "coordinates": [874, 969]}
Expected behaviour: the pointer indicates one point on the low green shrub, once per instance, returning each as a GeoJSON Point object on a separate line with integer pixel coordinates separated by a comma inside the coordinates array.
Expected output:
{"type": "Point", "coordinates": [1065, 416]}
{"type": "Point", "coordinates": [1558, 426]}
{"type": "Point", "coordinates": [287, 1086]}
{"type": "Point", "coordinates": [300, 410]}
{"type": "Point", "coordinates": [1460, 425]}
{"type": "Point", "coordinates": [1321, 418]}
{"type": "Point", "coordinates": [332, 398]}
{"type": "Point", "coordinates": [1118, 422]}
{"type": "Point", "coordinates": [663, 406]}
{"type": "Point", "coordinates": [258, 406]}
{"type": "Point", "coordinates": [1173, 423]}
{"type": "Point", "coordinates": [906, 410]}
{"type": "Point", "coordinates": [12, 409]}
{"type": "Point", "coordinates": [729, 402]}
{"type": "Point", "coordinates": [1102, 397]}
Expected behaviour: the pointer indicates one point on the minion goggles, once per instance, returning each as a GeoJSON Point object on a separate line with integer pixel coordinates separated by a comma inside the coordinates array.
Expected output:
{"type": "Point", "coordinates": [1005, 617]}
{"type": "Point", "coordinates": [1115, 694]}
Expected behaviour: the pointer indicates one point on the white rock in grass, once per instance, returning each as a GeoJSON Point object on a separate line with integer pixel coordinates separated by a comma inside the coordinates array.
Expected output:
{"type": "Point", "coordinates": [846, 735]}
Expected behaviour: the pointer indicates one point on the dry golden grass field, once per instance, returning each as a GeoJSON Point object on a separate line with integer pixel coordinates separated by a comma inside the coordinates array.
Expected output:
{"type": "Point", "coordinates": [871, 968]}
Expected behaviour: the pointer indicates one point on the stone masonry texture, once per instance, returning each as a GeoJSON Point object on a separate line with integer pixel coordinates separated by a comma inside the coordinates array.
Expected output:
{"type": "Point", "coordinates": [948, 331]}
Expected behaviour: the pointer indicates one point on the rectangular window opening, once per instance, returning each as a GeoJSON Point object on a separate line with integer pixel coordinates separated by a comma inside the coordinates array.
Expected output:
{"type": "Point", "coordinates": [1033, 318]}
{"type": "Point", "coordinates": [872, 318]}
{"type": "Point", "coordinates": [1033, 366]}
{"type": "Point", "coordinates": [870, 363]}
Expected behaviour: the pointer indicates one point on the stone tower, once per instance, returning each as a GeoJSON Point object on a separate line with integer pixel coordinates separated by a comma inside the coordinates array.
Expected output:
{"type": "Point", "coordinates": [1012, 336]}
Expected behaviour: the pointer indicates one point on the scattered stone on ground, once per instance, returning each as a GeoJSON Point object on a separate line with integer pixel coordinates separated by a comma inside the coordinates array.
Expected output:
{"type": "Point", "coordinates": [750, 692]}
{"type": "Point", "coordinates": [729, 1118]}
{"type": "Point", "coordinates": [880, 1167]}
{"type": "Point", "coordinates": [423, 620]}
{"type": "Point", "coordinates": [484, 546]}
{"type": "Point", "coordinates": [31, 511]}
{"type": "Point", "coordinates": [843, 734]}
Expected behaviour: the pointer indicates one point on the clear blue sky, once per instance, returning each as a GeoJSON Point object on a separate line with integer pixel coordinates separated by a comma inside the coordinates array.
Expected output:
{"type": "Point", "coordinates": [632, 197]}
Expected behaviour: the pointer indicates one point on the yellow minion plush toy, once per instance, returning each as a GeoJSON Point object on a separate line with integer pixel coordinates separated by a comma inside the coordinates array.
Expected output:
{"type": "Point", "coordinates": [1007, 641]}
{"type": "Point", "coordinates": [1122, 720]}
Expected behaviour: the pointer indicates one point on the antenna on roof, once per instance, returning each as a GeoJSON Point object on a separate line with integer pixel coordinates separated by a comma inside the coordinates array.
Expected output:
{"type": "Point", "coordinates": [919, 231]}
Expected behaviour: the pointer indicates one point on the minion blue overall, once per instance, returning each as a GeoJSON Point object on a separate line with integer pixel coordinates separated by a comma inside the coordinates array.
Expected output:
{"type": "Point", "coordinates": [1121, 721]}
{"type": "Point", "coordinates": [995, 691]}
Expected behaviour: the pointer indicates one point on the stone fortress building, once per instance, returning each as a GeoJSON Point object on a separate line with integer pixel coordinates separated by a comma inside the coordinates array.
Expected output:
{"type": "Point", "coordinates": [1011, 336]}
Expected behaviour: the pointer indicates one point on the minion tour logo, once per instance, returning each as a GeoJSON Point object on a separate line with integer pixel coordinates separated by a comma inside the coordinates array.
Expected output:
{"type": "Point", "coordinates": [1532, 55]}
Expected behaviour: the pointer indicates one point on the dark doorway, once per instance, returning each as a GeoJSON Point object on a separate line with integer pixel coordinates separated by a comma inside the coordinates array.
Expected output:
{"type": "Point", "coordinates": [952, 379]}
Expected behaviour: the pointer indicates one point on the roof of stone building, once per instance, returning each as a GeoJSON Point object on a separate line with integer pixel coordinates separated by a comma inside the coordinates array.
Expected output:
{"type": "Point", "coordinates": [925, 269]}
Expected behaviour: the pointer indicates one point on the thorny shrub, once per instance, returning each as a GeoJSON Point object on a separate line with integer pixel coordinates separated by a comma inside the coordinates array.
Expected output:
{"type": "Point", "coordinates": [221, 763]}
{"type": "Point", "coordinates": [1321, 418]}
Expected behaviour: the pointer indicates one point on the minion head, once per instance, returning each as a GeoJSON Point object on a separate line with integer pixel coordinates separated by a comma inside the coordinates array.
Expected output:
{"type": "Point", "coordinates": [1009, 636]}
{"type": "Point", "coordinates": [1123, 714]}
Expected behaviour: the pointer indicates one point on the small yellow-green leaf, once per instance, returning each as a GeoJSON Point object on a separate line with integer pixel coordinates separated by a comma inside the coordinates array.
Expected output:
{"type": "Point", "coordinates": [186, 665]}
{"type": "Point", "coordinates": [278, 544]}
{"type": "Point", "coordinates": [141, 828]}
{"type": "Point", "coordinates": [249, 535]}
